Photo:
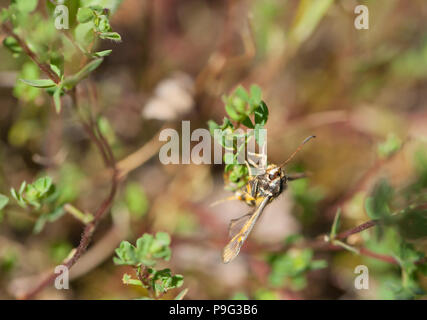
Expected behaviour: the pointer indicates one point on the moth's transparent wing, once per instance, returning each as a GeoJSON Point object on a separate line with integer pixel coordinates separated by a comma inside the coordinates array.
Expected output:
{"type": "Point", "coordinates": [232, 249]}
{"type": "Point", "coordinates": [237, 224]}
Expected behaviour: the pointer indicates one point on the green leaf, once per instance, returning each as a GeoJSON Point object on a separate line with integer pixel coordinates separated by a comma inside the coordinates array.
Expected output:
{"type": "Point", "coordinates": [163, 280]}
{"type": "Point", "coordinates": [212, 127]}
{"type": "Point", "coordinates": [239, 104]}
{"type": "Point", "coordinates": [56, 69]}
{"type": "Point", "coordinates": [103, 25]}
{"type": "Point", "coordinates": [377, 206]}
{"type": "Point", "coordinates": [35, 194]}
{"type": "Point", "coordinates": [22, 91]}
{"type": "Point", "coordinates": [163, 238]}
{"type": "Point", "coordinates": [40, 223]}
{"type": "Point", "coordinates": [248, 123]}
{"type": "Point", "coordinates": [335, 225]}
{"type": "Point", "coordinates": [22, 187]}
{"type": "Point", "coordinates": [85, 15]}
{"type": "Point", "coordinates": [57, 99]}
{"type": "Point", "coordinates": [261, 114]}
{"type": "Point", "coordinates": [43, 185]}
{"type": "Point", "coordinates": [83, 73]}
{"type": "Point", "coordinates": [127, 279]}
{"type": "Point", "coordinates": [11, 44]}
{"type": "Point", "coordinates": [26, 6]}
{"type": "Point", "coordinates": [104, 53]}
{"type": "Point", "coordinates": [146, 251]}
{"type": "Point", "coordinates": [231, 111]}
{"type": "Point", "coordinates": [125, 254]}
{"type": "Point", "coordinates": [91, 66]}
{"type": "Point", "coordinates": [241, 93]}
{"type": "Point", "coordinates": [3, 201]}
{"type": "Point", "coordinates": [111, 36]}
{"type": "Point", "coordinates": [256, 96]}
{"type": "Point", "coordinates": [40, 83]}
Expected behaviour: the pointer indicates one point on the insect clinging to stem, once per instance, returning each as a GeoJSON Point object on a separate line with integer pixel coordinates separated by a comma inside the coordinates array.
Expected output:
{"type": "Point", "coordinates": [258, 193]}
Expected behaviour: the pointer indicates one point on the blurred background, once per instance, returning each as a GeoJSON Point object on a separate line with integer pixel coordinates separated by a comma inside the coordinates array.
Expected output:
{"type": "Point", "coordinates": [356, 90]}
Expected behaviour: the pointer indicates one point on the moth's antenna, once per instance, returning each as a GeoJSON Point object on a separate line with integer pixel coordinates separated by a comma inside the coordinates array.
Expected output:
{"type": "Point", "coordinates": [297, 150]}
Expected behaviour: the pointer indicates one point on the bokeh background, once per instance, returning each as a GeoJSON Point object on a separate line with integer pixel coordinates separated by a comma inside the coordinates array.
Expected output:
{"type": "Point", "coordinates": [353, 89]}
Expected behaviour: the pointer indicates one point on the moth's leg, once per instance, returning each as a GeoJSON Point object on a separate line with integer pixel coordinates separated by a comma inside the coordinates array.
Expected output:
{"type": "Point", "coordinates": [247, 196]}
{"type": "Point", "coordinates": [254, 188]}
{"type": "Point", "coordinates": [262, 156]}
{"type": "Point", "coordinates": [249, 168]}
{"type": "Point", "coordinates": [233, 197]}
{"type": "Point", "coordinates": [252, 163]}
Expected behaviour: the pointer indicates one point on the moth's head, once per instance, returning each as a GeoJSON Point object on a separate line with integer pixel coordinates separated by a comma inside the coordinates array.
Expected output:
{"type": "Point", "coordinates": [275, 172]}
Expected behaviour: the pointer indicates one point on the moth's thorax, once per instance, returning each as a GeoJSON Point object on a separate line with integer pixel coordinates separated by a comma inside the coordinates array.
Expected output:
{"type": "Point", "coordinates": [272, 182]}
{"type": "Point", "coordinates": [269, 184]}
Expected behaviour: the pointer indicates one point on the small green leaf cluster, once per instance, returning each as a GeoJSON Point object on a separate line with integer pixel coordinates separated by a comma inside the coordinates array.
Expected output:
{"type": "Point", "coordinates": [410, 222]}
{"type": "Point", "coordinates": [240, 105]}
{"type": "Point", "coordinates": [408, 258]}
{"type": "Point", "coordinates": [17, 10]}
{"type": "Point", "coordinates": [98, 17]}
{"type": "Point", "coordinates": [43, 196]}
{"type": "Point", "coordinates": [402, 282]}
{"type": "Point", "coordinates": [400, 231]}
{"type": "Point", "coordinates": [53, 48]}
{"type": "Point", "coordinates": [34, 194]}
{"type": "Point", "coordinates": [377, 206]}
{"type": "Point", "coordinates": [244, 109]}
{"type": "Point", "coordinates": [289, 269]}
{"type": "Point", "coordinates": [147, 250]}
{"type": "Point", "coordinates": [144, 256]}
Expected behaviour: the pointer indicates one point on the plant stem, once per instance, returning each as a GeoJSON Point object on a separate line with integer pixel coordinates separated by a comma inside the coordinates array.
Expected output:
{"type": "Point", "coordinates": [96, 136]}
{"type": "Point", "coordinates": [86, 237]}
{"type": "Point", "coordinates": [42, 66]}
{"type": "Point", "coordinates": [76, 213]}
{"type": "Point", "coordinates": [359, 228]}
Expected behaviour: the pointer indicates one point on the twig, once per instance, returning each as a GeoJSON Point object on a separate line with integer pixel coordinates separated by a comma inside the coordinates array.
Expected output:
{"type": "Point", "coordinates": [143, 276]}
{"type": "Point", "coordinates": [97, 137]}
{"type": "Point", "coordinates": [42, 66]}
{"type": "Point", "coordinates": [359, 228]}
